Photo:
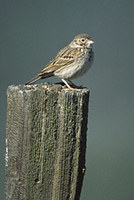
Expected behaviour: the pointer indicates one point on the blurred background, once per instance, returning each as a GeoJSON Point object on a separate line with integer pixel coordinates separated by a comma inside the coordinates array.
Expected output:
{"type": "Point", "coordinates": [31, 34]}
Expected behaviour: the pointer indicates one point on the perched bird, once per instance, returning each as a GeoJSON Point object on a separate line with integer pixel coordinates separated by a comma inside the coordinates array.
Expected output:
{"type": "Point", "coordinates": [71, 62]}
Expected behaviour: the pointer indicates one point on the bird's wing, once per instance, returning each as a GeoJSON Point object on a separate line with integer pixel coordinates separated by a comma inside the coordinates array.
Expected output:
{"type": "Point", "coordinates": [64, 58]}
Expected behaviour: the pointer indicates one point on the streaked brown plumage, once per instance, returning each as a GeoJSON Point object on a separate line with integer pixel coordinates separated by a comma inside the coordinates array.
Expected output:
{"type": "Point", "coordinates": [71, 62]}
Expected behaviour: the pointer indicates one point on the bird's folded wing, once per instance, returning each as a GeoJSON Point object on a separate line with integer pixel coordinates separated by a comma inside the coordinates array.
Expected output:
{"type": "Point", "coordinates": [64, 58]}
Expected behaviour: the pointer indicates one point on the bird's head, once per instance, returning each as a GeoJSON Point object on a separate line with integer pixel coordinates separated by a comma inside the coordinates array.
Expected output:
{"type": "Point", "coordinates": [82, 41]}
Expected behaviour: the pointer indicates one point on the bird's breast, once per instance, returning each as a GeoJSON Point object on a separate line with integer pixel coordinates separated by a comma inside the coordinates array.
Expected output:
{"type": "Point", "coordinates": [80, 66]}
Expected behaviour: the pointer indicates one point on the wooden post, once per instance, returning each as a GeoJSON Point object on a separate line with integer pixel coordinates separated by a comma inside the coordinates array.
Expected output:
{"type": "Point", "coordinates": [45, 142]}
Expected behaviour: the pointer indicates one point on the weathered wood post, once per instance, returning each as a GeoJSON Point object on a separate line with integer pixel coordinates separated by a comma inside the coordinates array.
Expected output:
{"type": "Point", "coordinates": [45, 142]}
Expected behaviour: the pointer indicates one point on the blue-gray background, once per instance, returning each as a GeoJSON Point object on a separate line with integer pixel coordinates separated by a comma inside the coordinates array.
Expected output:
{"type": "Point", "coordinates": [31, 33]}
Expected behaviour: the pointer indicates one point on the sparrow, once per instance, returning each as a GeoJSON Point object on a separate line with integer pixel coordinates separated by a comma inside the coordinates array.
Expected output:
{"type": "Point", "coordinates": [71, 62]}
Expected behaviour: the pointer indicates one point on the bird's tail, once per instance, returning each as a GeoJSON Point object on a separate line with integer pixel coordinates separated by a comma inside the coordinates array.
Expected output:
{"type": "Point", "coordinates": [39, 76]}
{"type": "Point", "coordinates": [33, 80]}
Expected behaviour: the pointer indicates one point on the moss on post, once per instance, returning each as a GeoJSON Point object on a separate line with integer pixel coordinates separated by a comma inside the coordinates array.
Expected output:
{"type": "Point", "coordinates": [45, 142]}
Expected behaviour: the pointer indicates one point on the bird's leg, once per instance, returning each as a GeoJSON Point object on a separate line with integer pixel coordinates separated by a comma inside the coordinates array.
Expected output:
{"type": "Point", "coordinates": [66, 83]}
{"type": "Point", "coordinates": [72, 83]}
{"type": "Point", "coordinates": [80, 87]}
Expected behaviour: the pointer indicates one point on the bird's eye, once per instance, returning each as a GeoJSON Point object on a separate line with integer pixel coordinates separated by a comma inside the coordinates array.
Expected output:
{"type": "Point", "coordinates": [82, 39]}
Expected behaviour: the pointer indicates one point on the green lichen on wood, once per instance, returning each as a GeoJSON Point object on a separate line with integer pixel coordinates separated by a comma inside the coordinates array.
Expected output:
{"type": "Point", "coordinates": [47, 125]}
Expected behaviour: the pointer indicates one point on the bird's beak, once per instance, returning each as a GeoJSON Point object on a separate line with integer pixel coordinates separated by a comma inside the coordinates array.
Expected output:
{"type": "Point", "coordinates": [91, 42]}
